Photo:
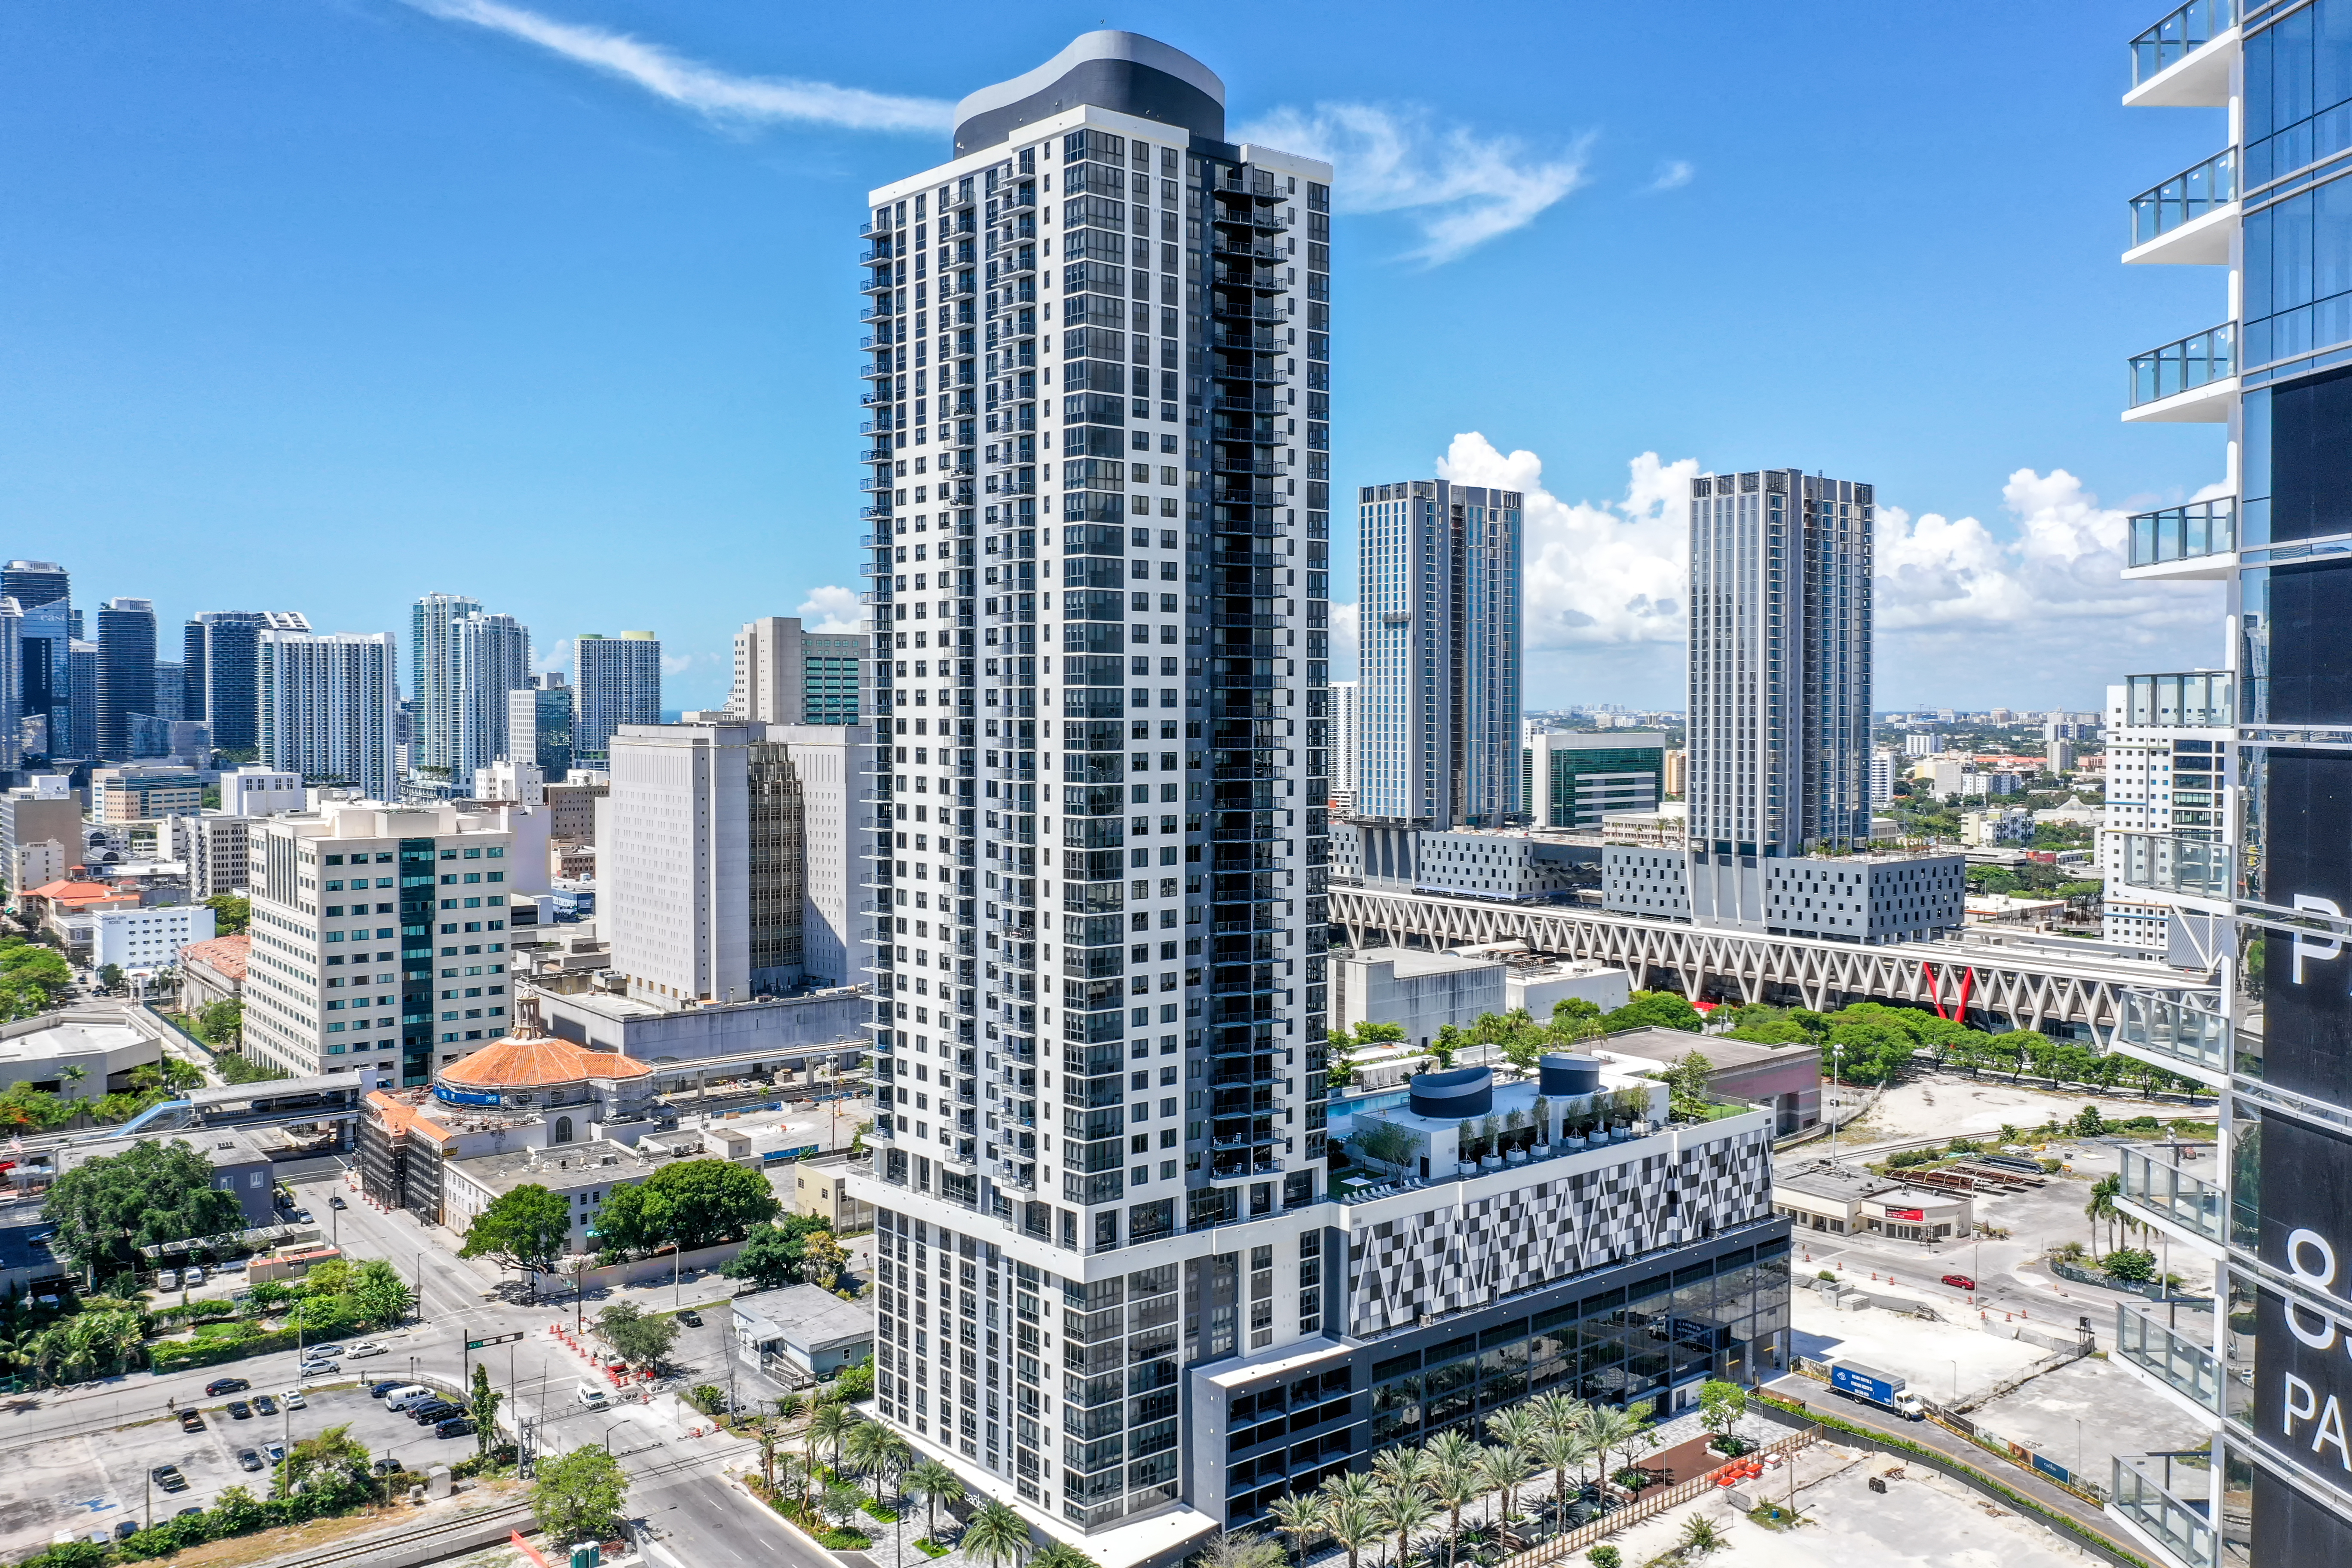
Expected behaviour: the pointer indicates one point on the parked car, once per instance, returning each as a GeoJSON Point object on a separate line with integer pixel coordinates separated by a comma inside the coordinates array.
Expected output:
{"type": "Point", "coordinates": [1959, 1282]}
{"type": "Point", "coordinates": [221, 1386]}
{"type": "Point", "coordinates": [387, 1467]}
{"type": "Point", "coordinates": [378, 1390]}
{"type": "Point", "coordinates": [169, 1477]}
{"type": "Point", "coordinates": [238, 1410]}
{"type": "Point", "coordinates": [276, 1452]}
{"type": "Point", "coordinates": [364, 1348]}
{"type": "Point", "coordinates": [124, 1529]}
{"type": "Point", "coordinates": [439, 1410]}
{"type": "Point", "coordinates": [263, 1406]}
{"type": "Point", "coordinates": [190, 1421]}
{"type": "Point", "coordinates": [188, 1513]}
{"type": "Point", "coordinates": [293, 1399]}
{"type": "Point", "coordinates": [455, 1426]}
{"type": "Point", "coordinates": [301, 1216]}
{"type": "Point", "coordinates": [690, 1318]}
{"type": "Point", "coordinates": [249, 1460]}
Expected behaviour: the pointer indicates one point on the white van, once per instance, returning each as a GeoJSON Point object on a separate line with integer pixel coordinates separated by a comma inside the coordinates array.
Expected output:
{"type": "Point", "coordinates": [167, 1280]}
{"type": "Point", "coordinates": [594, 1395]}
{"type": "Point", "coordinates": [402, 1398]}
{"type": "Point", "coordinates": [194, 1276]}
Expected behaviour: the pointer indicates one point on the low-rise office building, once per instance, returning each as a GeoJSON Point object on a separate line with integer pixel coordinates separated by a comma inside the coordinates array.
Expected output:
{"type": "Point", "coordinates": [143, 941]}
{"type": "Point", "coordinates": [213, 972]}
{"type": "Point", "coordinates": [813, 1332]}
{"type": "Point", "coordinates": [1785, 1080]}
{"type": "Point", "coordinates": [1423, 991]}
{"type": "Point", "coordinates": [239, 1164]}
{"type": "Point", "coordinates": [1872, 900]}
{"type": "Point", "coordinates": [105, 1045]}
{"type": "Point", "coordinates": [1838, 1200]}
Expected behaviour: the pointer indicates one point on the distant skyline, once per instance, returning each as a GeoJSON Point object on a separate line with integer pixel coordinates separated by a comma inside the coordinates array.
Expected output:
{"type": "Point", "coordinates": [329, 307]}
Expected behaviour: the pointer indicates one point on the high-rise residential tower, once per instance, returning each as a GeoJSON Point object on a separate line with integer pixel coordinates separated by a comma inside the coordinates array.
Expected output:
{"type": "Point", "coordinates": [1098, 500]}
{"type": "Point", "coordinates": [619, 683]}
{"type": "Point", "coordinates": [2245, 771]}
{"type": "Point", "coordinates": [326, 706]}
{"type": "Point", "coordinates": [1780, 677]}
{"type": "Point", "coordinates": [1347, 740]}
{"type": "Point", "coordinates": [785, 675]}
{"type": "Point", "coordinates": [33, 583]}
{"type": "Point", "coordinates": [463, 664]}
{"type": "Point", "coordinates": [220, 671]}
{"type": "Point", "coordinates": [1440, 669]}
{"type": "Point", "coordinates": [126, 674]}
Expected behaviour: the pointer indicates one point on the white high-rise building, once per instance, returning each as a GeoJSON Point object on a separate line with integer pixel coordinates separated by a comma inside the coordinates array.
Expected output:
{"type": "Point", "coordinates": [1886, 767]}
{"type": "Point", "coordinates": [507, 779]}
{"type": "Point", "coordinates": [464, 664]}
{"type": "Point", "coordinates": [380, 935]}
{"type": "Point", "coordinates": [785, 675]}
{"type": "Point", "coordinates": [619, 681]}
{"type": "Point", "coordinates": [327, 707]}
{"type": "Point", "coordinates": [2168, 742]}
{"type": "Point", "coordinates": [260, 790]}
{"type": "Point", "coordinates": [1439, 676]}
{"type": "Point", "coordinates": [705, 856]}
{"type": "Point", "coordinates": [1347, 738]}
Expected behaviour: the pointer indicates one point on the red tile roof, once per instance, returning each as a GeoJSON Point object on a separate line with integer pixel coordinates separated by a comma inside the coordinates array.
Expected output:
{"type": "Point", "coordinates": [539, 1062]}
{"type": "Point", "coordinates": [223, 955]}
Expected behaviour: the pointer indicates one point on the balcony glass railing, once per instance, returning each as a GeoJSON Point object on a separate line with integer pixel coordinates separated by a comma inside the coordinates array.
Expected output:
{"type": "Point", "coordinates": [2184, 533]}
{"type": "Point", "coordinates": [2176, 1029]}
{"type": "Point", "coordinates": [2171, 864]}
{"type": "Point", "coordinates": [2141, 1496]}
{"type": "Point", "coordinates": [2172, 1194]}
{"type": "Point", "coordinates": [2187, 1368]}
{"type": "Point", "coordinates": [2192, 699]}
{"type": "Point", "coordinates": [2187, 196]}
{"type": "Point", "coordinates": [2180, 35]}
{"type": "Point", "coordinates": [2209, 356]}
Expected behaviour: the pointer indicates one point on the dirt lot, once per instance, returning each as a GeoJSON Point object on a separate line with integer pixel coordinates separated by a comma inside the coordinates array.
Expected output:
{"type": "Point", "coordinates": [87, 1483]}
{"type": "Point", "coordinates": [1953, 1104]}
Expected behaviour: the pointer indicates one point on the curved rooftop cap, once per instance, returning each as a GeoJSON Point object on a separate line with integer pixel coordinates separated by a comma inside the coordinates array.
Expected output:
{"type": "Point", "coordinates": [1562, 1074]}
{"type": "Point", "coordinates": [1122, 71]}
{"type": "Point", "coordinates": [1450, 1096]}
{"type": "Point", "coordinates": [538, 1061]}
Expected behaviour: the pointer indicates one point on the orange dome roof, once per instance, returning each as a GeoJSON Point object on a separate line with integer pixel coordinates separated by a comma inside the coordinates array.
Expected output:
{"type": "Point", "coordinates": [539, 1061]}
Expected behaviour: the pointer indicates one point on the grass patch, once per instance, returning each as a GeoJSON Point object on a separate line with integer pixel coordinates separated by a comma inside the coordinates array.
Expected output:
{"type": "Point", "coordinates": [930, 1548]}
{"type": "Point", "coordinates": [1773, 1516]}
{"type": "Point", "coordinates": [844, 1541]}
{"type": "Point", "coordinates": [886, 1515]}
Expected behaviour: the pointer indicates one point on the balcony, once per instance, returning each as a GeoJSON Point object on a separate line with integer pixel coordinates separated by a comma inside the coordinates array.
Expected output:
{"type": "Point", "coordinates": [2193, 700]}
{"type": "Point", "coordinates": [2188, 218]}
{"type": "Point", "coordinates": [2169, 1194]}
{"type": "Point", "coordinates": [2179, 1364]}
{"type": "Point", "coordinates": [2176, 1035]}
{"type": "Point", "coordinates": [2187, 867]}
{"type": "Point", "coordinates": [2184, 60]}
{"type": "Point", "coordinates": [2143, 1500]}
{"type": "Point", "coordinates": [2197, 541]}
{"type": "Point", "coordinates": [2192, 381]}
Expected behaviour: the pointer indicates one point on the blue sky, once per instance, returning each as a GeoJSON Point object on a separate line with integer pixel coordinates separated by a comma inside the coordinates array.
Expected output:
{"type": "Point", "coordinates": [324, 305]}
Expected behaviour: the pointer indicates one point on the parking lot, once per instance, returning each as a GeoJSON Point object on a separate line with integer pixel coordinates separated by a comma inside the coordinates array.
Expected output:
{"type": "Point", "coordinates": [87, 1483]}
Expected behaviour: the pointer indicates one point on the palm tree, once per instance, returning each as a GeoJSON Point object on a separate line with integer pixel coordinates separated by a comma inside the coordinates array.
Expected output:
{"type": "Point", "coordinates": [768, 1437]}
{"type": "Point", "coordinates": [935, 1484]}
{"type": "Point", "coordinates": [1700, 1536]}
{"type": "Point", "coordinates": [790, 1408]}
{"type": "Point", "coordinates": [995, 1534]}
{"type": "Point", "coordinates": [1517, 1427]}
{"type": "Point", "coordinates": [877, 1450]}
{"type": "Point", "coordinates": [1353, 1523]}
{"type": "Point", "coordinates": [1502, 1469]}
{"type": "Point", "coordinates": [1617, 1431]}
{"type": "Point", "coordinates": [1404, 1470]}
{"type": "Point", "coordinates": [1351, 1487]}
{"type": "Point", "coordinates": [1456, 1481]}
{"type": "Point", "coordinates": [1557, 1450]}
{"type": "Point", "coordinates": [1300, 1516]}
{"type": "Point", "coordinates": [2102, 1208]}
{"type": "Point", "coordinates": [1060, 1555]}
{"type": "Point", "coordinates": [831, 1426]}
{"type": "Point", "coordinates": [1403, 1510]}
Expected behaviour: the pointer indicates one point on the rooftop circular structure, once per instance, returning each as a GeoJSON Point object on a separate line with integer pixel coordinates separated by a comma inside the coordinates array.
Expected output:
{"type": "Point", "coordinates": [1464, 1091]}
{"type": "Point", "coordinates": [527, 1070]}
{"type": "Point", "coordinates": [1560, 1073]}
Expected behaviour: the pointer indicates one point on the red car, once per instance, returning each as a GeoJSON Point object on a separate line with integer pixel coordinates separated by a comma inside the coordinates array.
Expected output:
{"type": "Point", "coordinates": [1959, 1282]}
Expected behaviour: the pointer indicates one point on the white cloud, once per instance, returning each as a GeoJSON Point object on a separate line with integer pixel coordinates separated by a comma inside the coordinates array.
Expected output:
{"type": "Point", "coordinates": [556, 657]}
{"type": "Point", "coordinates": [680, 663]}
{"type": "Point", "coordinates": [692, 85]}
{"type": "Point", "coordinates": [1673, 175]}
{"type": "Point", "coordinates": [831, 609]}
{"type": "Point", "coordinates": [1611, 571]}
{"type": "Point", "coordinates": [1344, 624]}
{"type": "Point", "coordinates": [1461, 189]}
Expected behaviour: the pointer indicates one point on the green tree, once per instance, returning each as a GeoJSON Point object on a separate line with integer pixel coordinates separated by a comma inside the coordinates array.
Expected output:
{"type": "Point", "coordinates": [106, 1209]}
{"type": "Point", "coordinates": [1689, 1085]}
{"type": "Point", "coordinates": [23, 1109]}
{"type": "Point", "coordinates": [528, 1227]}
{"type": "Point", "coordinates": [776, 1254]}
{"type": "Point", "coordinates": [825, 1261]}
{"type": "Point", "coordinates": [1720, 1405]}
{"type": "Point", "coordinates": [695, 1203]}
{"type": "Point", "coordinates": [483, 1406]}
{"type": "Point", "coordinates": [1061, 1554]}
{"type": "Point", "coordinates": [1403, 1510]}
{"type": "Point", "coordinates": [878, 1451]}
{"type": "Point", "coordinates": [579, 1496]}
{"type": "Point", "coordinates": [1700, 1537]}
{"type": "Point", "coordinates": [1300, 1516]}
{"type": "Point", "coordinates": [641, 1339]}
{"type": "Point", "coordinates": [1653, 1009]}
{"type": "Point", "coordinates": [995, 1534]}
{"type": "Point", "coordinates": [2133, 1265]}
{"type": "Point", "coordinates": [1458, 1480]}
{"type": "Point", "coordinates": [1353, 1524]}
{"type": "Point", "coordinates": [1609, 1556]}
{"type": "Point", "coordinates": [1240, 1549]}
{"type": "Point", "coordinates": [221, 1023]}
{"type": "Point", "coordinates": [381, 1295]}
{"type": "Point", "coordinates": [232, 916]}
{"type": "Point", "coordinates": [109, 975]}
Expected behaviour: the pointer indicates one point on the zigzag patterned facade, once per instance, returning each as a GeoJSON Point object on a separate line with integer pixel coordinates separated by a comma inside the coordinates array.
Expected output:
{"type": "Point", "coordinates": [2027, 991]}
